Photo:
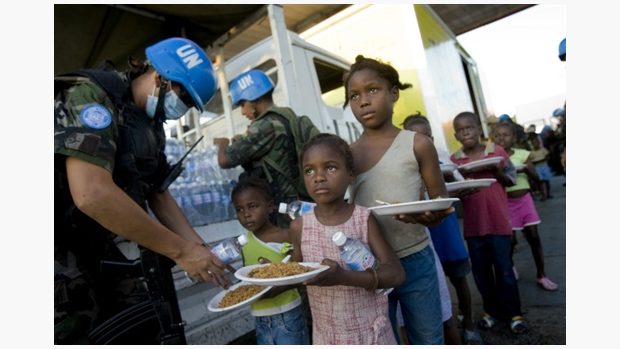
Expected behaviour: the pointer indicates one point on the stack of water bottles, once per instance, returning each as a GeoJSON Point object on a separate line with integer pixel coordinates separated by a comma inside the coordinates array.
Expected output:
{"type": "Point", "coordinates": [203, 189]}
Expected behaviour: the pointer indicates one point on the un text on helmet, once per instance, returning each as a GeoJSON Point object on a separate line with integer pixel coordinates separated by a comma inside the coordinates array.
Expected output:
{"type": "Point", "coordinates": [190, 57]}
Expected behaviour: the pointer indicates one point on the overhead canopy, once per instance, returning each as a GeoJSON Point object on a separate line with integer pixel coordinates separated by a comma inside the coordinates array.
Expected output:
{"type": "Point", "coordinates": [85, 35]}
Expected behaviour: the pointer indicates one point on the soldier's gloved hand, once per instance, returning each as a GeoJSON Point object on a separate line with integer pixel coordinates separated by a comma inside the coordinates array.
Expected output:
{"type": "Point", "coordinates": [202, 265]}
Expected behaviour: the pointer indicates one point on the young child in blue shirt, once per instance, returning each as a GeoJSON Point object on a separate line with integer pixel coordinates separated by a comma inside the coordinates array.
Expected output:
{"type": "Point", "coordinates": [450, 248]}
{"type": "Point", "coordinates": [280, 318]}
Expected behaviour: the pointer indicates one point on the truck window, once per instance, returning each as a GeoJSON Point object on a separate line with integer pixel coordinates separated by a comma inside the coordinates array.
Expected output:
{"type": "Point", "coordinates": [331, 82]}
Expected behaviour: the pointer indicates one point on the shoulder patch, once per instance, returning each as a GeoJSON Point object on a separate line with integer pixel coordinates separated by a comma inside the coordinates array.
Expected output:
{"type": "Point", "coordinates": [96, 116]}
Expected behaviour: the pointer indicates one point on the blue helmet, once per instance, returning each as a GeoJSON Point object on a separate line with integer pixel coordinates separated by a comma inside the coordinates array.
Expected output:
{"type": "Point", "coordinates": [250, 86]}
{"type": "Point", "coordinates": [559, 112]}
{"type": "Point", "coordinates": [562, 53]}
{"type": "Point", "coordinates": [184, 62]}
{"type": "Point", "coordinates": [504, 117]}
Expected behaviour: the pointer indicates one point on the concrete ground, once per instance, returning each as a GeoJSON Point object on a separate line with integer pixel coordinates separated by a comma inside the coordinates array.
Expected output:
{"type": "Point", "coordinates": [544, 310]}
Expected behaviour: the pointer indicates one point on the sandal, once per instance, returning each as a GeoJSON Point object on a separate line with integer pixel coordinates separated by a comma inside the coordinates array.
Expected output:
{"type": "Point", "coordinates": [546, 284]}
{"type": "Point", "coordinates": [487, 322]}
{"type": "Point", "coordinates": [518, 325]}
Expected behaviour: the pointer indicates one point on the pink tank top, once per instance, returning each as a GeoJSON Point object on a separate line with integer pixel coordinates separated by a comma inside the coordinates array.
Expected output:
{"type": "Point", "coordinates": [343, 314]}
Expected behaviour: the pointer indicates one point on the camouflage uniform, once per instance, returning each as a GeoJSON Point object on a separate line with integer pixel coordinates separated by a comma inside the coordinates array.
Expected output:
{"type": "Point", "coordinates": [267, 138]}
{"type": "Point", "coordinates": [84, 294]}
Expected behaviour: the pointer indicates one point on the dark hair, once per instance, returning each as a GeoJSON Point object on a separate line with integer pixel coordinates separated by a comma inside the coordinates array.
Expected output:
{"type": "Point", "coordinates": [334, 142]}
{"type": "Point", "coordinates": [467, 114]}
{"type": "Point", "coordinates": [384, 70]}
{"type": "Point", "coordinates": [508, 125]}
{"type": "Point", "coordinates": [252, 182]}
{"type": "Point", "coordinates": [415, 119]}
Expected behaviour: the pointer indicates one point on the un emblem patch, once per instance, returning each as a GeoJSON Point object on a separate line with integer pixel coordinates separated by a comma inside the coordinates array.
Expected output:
{"type": "Point", "coordinates": [96, 116]}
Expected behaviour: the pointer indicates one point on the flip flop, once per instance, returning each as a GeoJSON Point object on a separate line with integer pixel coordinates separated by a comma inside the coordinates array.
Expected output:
{"type": "Point", "coordinates": [518, 325]}
{"type": "Point", "coordinates": [546, 284]}
{"type": "Point", "coordinates": [487, 322]}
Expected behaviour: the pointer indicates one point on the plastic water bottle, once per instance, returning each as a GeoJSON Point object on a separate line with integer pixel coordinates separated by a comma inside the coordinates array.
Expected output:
{"type": "Point", "coordinates": [197, 203]}
{"type": "Point", "coordinates": [295, 208]}
{"type": "Point", "coordinates": [227, 200]}
{"type": "Point", "coordinates": [229, 250]}
{"type": "Point", "coordinates": [217, 201]}
{"type": "Point", "coordinates": [356, 255]}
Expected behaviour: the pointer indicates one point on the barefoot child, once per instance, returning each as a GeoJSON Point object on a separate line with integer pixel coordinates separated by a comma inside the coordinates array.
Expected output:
{"type": "Point", "coordinates": [348, 311]}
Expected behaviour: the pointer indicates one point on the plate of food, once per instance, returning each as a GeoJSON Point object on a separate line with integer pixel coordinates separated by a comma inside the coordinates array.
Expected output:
{"type": "Point", "coordinates": [469, 184]}
{"type": "Point", "coordinates": [481, 163]}
{"type": "Point", "coordinates": [414, 206]}
{"type": "Point", "coordinates": [447, 168]}
{"type": "Point", "coordinates": [236, 296]}
{"type": "Point", "coordinates": [278, 274]}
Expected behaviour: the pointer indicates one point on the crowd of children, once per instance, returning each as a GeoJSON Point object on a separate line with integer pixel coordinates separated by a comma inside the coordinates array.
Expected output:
{"type": "Point", "coordinates": [413, 251]}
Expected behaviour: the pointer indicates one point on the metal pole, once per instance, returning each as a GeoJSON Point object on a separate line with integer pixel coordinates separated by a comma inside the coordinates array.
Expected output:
{"type": "Point", "coordinates": [221, 77]}
{"type": "Point", "coordinates": [284, 54]}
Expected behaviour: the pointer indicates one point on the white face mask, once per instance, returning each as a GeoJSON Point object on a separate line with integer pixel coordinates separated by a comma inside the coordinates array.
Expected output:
{"type": "Point", "coordinates": [173, 106]}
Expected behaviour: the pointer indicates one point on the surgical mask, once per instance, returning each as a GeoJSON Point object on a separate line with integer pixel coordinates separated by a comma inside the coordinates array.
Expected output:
{"type": "Point", "coordinates": [173, 106]}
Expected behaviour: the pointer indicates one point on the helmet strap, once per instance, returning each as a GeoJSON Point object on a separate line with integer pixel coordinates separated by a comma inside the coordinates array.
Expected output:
{"type": "Point", "coordinates": [160, 114]}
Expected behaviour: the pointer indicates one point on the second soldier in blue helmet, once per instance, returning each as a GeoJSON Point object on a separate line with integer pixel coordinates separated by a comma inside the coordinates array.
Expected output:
{"type": "Point", "coordinates": [267, 150]}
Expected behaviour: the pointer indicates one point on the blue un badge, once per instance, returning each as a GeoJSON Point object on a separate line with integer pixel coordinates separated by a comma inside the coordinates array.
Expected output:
{"type": "Point", "coordinates": [96, 116]}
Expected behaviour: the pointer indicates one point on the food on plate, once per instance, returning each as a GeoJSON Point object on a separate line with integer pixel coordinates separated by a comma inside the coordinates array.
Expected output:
{"type": "Point", "coordinates": [279, 270]}
{"type": "Point", "coordinates": [239, 294]}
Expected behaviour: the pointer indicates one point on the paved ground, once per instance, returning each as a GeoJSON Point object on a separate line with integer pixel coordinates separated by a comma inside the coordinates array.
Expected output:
{"type": "Point", "coordinates": [545, 311]}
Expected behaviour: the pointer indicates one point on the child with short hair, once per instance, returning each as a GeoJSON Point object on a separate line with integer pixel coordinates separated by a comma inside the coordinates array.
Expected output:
{"type": "Point", "coordinates": [523, 215]}
{"type": "Point", "coordinates": [450, 248]}
{"type": "Point", "coordinates": [349, 311]}
{"type": "Point", "coordinates": [486, 226]}
{"type": "Point", "coordinates": [540, 156]}
{"type": "Point", "coordinates": [280, 318]}
{"type": "Point", "coordinates": [392, 165]}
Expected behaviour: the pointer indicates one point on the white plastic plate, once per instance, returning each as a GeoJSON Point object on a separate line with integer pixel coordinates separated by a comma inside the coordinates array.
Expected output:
{"type": "Point", "coordinates": [414, 207]}
{"type": "Point", "coordinates": [481, 163]}
{"type": "Point", "coordinates": [470, 184]}
{"type": "Point", "coordinates": [215, 301]}
{"type": "Point", "coordinates": [242, 274]}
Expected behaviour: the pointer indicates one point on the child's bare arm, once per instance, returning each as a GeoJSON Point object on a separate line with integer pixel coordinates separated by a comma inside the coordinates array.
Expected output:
{"type": "Point", "coordinates": [390, 272]}
{"type": "Point", "coordinates": [529, 169]}
{"type": "Point", "coordinates": [295, 239]}
{"type": "Point", "coordinates": [426, 155]}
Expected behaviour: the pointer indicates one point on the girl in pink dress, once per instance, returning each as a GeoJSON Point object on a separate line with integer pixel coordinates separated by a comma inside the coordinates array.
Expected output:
{"type": "Point", "coordinates": [345, 308]}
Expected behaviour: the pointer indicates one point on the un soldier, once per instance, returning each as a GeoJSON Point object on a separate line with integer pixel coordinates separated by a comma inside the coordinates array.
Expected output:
{"type": "Point", "coordinates": [110, 166]}
{"type": "Point", "coordinates": [267, 149]}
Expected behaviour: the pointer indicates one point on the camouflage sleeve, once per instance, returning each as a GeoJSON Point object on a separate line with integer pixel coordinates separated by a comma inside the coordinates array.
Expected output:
{"type": "Point", "coordinates": [255, 144]}
{"type": "Point", "coordinates": [85, 125]}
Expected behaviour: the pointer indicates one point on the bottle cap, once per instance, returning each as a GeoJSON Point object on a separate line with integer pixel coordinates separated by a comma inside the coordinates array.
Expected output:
{"type": "Point", "coordinates": [242, 239]}
{"type": "Point", "coordinates": [283, 207]}
{"type": "Point", "coordinates": [339, 238]}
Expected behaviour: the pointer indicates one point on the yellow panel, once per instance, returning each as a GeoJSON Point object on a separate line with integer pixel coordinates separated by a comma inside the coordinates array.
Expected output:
{"type": "Point", "coordinates": [432, 32]}
{"type": "Point", "coordinates": [410, 100]}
